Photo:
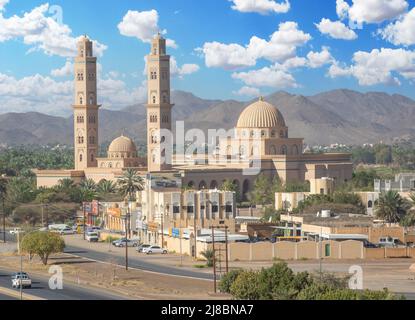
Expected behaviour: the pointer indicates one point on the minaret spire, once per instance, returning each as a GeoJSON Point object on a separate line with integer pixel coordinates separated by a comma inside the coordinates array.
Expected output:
{"type": "Point", "coordinates": [159, 107]}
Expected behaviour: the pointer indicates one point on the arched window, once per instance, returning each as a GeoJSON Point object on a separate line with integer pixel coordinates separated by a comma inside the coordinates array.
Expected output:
{"type": "Point", "coordinates": [370, 204]}
{"type": "Point", "coordinates": [273, 150]}
{"type": "Point", "coordinates": [154, 99]}
{"type": "Point", "coordinates": [91, 100]}
{"type": "Point", "coordinates": [81, 158]}
{"type": "Point", "coordinates": [81, 101]}
{"type": "Point", "coordinates": [92, 158]}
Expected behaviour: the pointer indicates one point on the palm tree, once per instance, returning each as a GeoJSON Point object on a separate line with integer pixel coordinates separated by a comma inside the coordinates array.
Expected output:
{"type": "Point", "coordinates": [106, 187]}
{"type": "Point", "coordinates": [65, 185]}
{"type": "Point", "coordinates": [3, 191]}
{"type": "Point", "coordinates": [130, 183]}
{"type": "Point", "coordinates": [391, 207]}
{"type": "Point", "coordinates": [88, 185]}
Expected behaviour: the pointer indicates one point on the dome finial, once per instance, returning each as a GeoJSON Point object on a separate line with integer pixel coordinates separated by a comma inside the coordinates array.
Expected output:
{"type": "Point", "coordinates": [261, 98]}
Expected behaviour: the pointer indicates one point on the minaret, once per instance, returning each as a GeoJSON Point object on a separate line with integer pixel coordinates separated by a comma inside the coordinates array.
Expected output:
{"type": "Point", "coordinates": [159, 108]}
{"type": "Point", "coordinates": [86, 107]}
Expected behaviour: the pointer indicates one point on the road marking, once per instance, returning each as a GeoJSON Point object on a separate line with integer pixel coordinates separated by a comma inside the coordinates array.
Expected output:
{"type": "Point", "coordinates": [16, 294]}
{"type": "Point", "coordinates": [138, 269]}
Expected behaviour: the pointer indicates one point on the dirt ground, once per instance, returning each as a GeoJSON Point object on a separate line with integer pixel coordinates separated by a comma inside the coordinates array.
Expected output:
{"type": "Point", "coordinates": [133, 284]}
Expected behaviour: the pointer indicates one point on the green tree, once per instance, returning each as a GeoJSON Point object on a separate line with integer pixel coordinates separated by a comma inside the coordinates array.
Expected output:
{"type": "Point", "coordinates": [209, 255]}
{"type": "Point", "coordinates": [42, 244]}
{"type": "Point", "coordinates": [262, 193]}
{"type": "Point", "coordinates": [130, 183]}
{"type": "Point", "coordinates": [391, 207]}
{"type": "Point", "coordinates": [230, 186]}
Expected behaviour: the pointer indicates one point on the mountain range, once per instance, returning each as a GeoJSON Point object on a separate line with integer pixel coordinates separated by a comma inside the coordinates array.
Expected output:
{"type": "Point", "coordinates": [339, 116]}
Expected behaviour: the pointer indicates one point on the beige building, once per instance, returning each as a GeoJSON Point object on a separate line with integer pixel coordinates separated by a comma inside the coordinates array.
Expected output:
{"type": "Point", "coordinates": [260, 143]}
{"type": "Point", "coordinates": [185, 210]}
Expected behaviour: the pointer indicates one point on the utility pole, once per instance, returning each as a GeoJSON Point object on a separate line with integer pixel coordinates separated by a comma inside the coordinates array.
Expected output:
{"type": "Point", "coordinates": [162, 229]}
{"type": "Point", "coordinates": [214, 259]}
{"type": "Point", "coordinates": [4, 220]}
{"type": "Point", "coordinates": [83, 209]}
{"type": "Point", "coordinates": [126, 234]}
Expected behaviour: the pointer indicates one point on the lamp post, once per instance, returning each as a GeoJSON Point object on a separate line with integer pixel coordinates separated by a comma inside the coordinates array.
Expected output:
{"type": "Point", "coordinates": [127, 220]}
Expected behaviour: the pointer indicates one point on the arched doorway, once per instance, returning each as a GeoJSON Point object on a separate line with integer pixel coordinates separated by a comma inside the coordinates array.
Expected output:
{"type": "Point", "coordinates": [202, 185]}
{"type": "Point", "coordinates": [214, 185]}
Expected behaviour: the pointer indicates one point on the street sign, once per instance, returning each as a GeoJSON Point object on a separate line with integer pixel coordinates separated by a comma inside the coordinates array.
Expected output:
{"type": "Point", "coordinates": [175, 232]}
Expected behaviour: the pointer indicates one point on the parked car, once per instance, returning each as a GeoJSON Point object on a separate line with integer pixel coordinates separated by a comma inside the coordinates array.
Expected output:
{"type": "Point", "coordinates": [388, 242]}
{"type": "Point", "coordinates": [21, 279]}
{"type": "Point", "coordinates": [154, 249]}
{"type": "Point", "coordinates": [122, 242]}
{"type": "Point", "coordinates": [141, 247]}
{"type": "Point", "coordinates": [92, 237]}
{"type": "Point", "coordinates": [368, 244]}
{"type": "Point", "coordinates": [66, 231]}
{"type": "Point", "coordinates": [15, 231]}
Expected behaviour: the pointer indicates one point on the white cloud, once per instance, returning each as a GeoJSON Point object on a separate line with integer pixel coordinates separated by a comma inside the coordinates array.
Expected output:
{"type": "Point", "coordinates": [378, 67]}
{"type": "Point", "coordinates": [282, 45]}
{"type": "Point", "coordinates": [402, 32]}
{"type": "Point", "coordinates": [273, 77]}
{"type": "Point", "coordinates": [143, 26]}
{"type": "Point", "coordinates": [42, 33]}
{"type": "Point", "coordinates": [261, 6]}
{"type": "Point", "coordinates": [319, 59]}
{"type": "Point", "coordinates": [35, 93]}
{"type": "Point", "coordinates": [336, 29]}
{"type": "Point", "coordinates": [3, 4]}
{"type": "Point", "coordinates": [342, 9]}
{"type": "Point", "coordinates": [371, 11]}
{"type": "Point", "coordinates": [227, 56]}
{"type": "Point", "coordinates": [248, 91]}
{"type": "Point", "coordinates": [65, 71]}
{"type": "Point", "coordinates": [185, 69]}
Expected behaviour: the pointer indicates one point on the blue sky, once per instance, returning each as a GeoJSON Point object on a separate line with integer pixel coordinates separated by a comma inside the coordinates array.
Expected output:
{"type": "Point", "coordinates": [223, 49]}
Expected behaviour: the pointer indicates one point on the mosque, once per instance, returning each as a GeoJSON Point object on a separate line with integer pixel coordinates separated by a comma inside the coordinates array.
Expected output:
{"type": "Point", "coordinates": [260, 143]}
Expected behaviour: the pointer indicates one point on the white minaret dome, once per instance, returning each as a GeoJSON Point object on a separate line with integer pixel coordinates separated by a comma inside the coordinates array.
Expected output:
{"type": "Point", "coordinates": [259, 115]}
{"type": "Point", "coordinates": [122, 147]}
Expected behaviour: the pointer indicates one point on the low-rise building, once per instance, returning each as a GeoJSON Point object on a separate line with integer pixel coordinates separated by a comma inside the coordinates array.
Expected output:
{"type": "Point", "coordinates": [165, 209]}
{"type": "Point", "coordinates": [404, 182]}
{"type": "Point", "coordinates": [343, 227]}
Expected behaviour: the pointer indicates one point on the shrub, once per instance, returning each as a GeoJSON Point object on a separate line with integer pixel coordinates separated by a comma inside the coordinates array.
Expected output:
{"type": "Point", "coordinates": [228, 279]}
{"type": "Point", "coordinates": [246, 286]}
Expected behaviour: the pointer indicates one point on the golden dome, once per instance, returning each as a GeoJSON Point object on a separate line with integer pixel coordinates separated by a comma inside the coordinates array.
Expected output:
{"type": "Point", "coordinates": [261, 114]}
{"type": "Point", "coordinates": [122, 145]}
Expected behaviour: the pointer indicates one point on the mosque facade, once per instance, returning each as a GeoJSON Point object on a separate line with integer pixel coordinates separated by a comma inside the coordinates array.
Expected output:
{"type": "Point", "coordinates": [259, 144]}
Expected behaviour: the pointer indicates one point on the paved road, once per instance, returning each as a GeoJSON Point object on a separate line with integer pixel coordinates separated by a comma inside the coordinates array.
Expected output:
{"type": "Point", "coordinates": [6, 298]}
{"type": "Point", "coordinates": [137, 263]}
{"type": "Point", "coordinates": [70, 292]}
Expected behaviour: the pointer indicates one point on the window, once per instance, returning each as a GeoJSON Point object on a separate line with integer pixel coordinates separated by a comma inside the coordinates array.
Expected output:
{"type": "Point", "coordinates": [154, 99]}
{"type": "Point", "coordinates": [92, 140]}
{"type": "Point", "coordinates": [92, 158]}
{"type": "Point", "coordinates": [190, 209]}
{"type": "Point", "coordinates": [176, 209]}
{"type": "Point", "coordinates": [81, 158]}
{"type": "Point", "coordinates": [81, 101]}
{"type": "Point", "coordinates": [91, 100]}
{"type": "Point", "coordinates": [215, 208]}
{"type": "Point", "coordinates": [370, 204]}
{"type": "Point", "coordinates": [229, 208]}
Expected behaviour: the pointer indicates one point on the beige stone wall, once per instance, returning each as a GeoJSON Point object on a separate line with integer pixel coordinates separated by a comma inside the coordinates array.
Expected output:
{"type": "Point", "coordinates": [351, 250]}
{"type": "Point", "coordinates": [285, 250]}
{"type": "Point", "coordinates": [306, 250]}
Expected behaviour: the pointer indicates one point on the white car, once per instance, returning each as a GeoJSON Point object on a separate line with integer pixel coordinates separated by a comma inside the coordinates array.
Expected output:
{"type": "Point", "coordinates": [66, 231]}
{"type": "Point", "coordinates": [92, 237]}
{"type": "Point", "coordinates": [154, 249]}
{"type": "Point", "coordinates": [15, 231]}
{"type": "Point", "coordinates": [21, 279]}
